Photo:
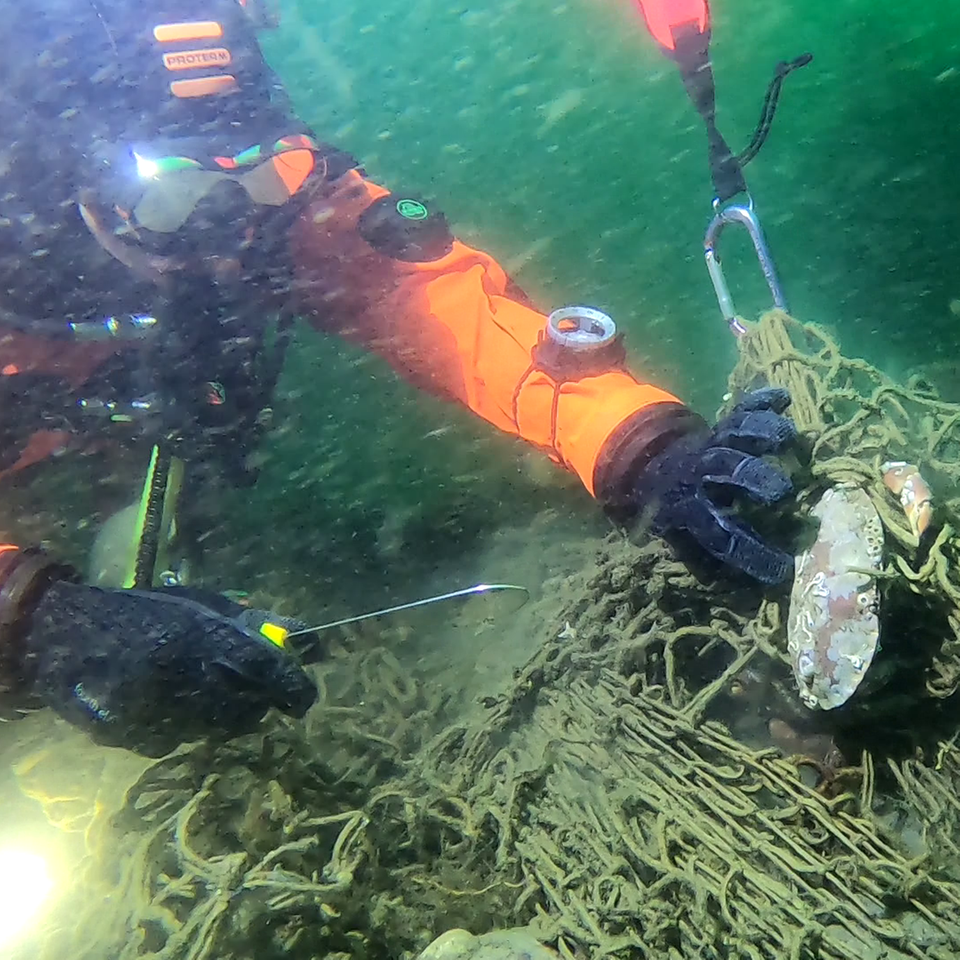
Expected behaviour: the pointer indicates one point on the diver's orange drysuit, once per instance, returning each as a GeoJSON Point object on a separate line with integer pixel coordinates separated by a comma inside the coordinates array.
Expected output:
{"type": "Point", "coordinates": [450, 326]}
{"type": "Point", "coordinates": [160, 207]}
{"type": "Point", "coordinates": [444, 315]}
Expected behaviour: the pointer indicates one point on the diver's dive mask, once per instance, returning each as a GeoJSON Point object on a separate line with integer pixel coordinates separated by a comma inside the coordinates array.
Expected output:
{"type": "Point", "coordinates": [148, 193]}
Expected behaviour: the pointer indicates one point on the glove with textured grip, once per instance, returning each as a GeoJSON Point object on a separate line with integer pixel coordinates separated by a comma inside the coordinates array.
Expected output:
{"type": "Point", "coordinates": [689, 490]}
{"type": "Point", "coordinates": [149, 670]}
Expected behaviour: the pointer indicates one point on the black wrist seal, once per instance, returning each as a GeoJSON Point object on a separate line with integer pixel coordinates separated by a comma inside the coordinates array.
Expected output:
{"type": "Point", "coordinates": [24, 577]}
{"type": "Point", "coordinates": [632, 446]}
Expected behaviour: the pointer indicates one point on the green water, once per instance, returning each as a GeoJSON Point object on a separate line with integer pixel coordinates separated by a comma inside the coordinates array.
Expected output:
{"type": "Point", "coordinates": [555, 135]}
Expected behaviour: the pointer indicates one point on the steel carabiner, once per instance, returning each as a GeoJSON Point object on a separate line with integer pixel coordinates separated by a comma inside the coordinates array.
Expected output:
{"type": "Point", "coordinates": [745, 215]}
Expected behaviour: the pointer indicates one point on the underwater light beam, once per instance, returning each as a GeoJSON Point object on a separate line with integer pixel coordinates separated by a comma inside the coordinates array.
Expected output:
{"type": "Point", "coordinates": [25, 885]}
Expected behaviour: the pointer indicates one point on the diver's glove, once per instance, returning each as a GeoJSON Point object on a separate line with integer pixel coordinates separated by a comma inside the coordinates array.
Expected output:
{"type": "Point", "coordinates": [149, 670]}
{"type": "Point", "coordinates": [687, 483]}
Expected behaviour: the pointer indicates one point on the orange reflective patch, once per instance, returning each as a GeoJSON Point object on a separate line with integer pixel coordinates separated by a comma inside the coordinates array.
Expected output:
{"type": "Point", "coordinates": [192, 59]}
{"type": "Point", "coordinates": [293, 167]}
{"type": "Point", "coordinates": [10, 370]}
{"type": "Point", "coordinates": [204, 86]}
{"type": "Point", "coordinates": [188, 30]}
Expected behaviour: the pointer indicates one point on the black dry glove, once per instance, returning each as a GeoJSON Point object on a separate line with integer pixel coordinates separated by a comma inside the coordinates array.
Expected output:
{"type": "Point", "coordinates": [688, 489]}
{"type": "Point", "coordinates": [149, 670]}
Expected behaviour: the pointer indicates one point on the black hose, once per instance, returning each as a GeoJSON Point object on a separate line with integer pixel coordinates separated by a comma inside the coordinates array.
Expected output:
{"type": "Point", "coordinates": [769, 108]}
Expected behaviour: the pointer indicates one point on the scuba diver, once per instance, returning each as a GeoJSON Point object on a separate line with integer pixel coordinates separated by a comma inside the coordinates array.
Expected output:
{"type": "Point", "coordinates": [164, 216]}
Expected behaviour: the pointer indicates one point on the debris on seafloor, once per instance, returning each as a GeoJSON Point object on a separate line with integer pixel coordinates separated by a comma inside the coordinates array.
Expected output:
{"type": "Point", "coordinates": [516, 944]}
{"type": "Point", "coordinates": [905, 481]}
{"type": "Point", "coordinates": [833, 628]}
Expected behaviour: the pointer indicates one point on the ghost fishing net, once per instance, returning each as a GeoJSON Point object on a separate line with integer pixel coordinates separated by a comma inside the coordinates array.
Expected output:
{"type": "Point", "coordinates": [646, 786]}
{"type": "Point", "coordinates": [857, 418]}
{"type": "Point", "coordinates": [293, 842]}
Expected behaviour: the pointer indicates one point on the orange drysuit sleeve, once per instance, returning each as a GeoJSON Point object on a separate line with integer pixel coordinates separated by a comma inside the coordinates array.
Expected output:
{"type": "Point", "coordinates": [449, 325]}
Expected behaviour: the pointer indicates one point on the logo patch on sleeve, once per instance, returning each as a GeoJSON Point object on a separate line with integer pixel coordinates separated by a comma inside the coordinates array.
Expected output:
{"type": "Point", "coordinates": [192, 59]}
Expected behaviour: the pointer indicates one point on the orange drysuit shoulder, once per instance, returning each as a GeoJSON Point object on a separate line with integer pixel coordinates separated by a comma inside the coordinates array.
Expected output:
{"type": "Point", "coordinates": [441, 313]}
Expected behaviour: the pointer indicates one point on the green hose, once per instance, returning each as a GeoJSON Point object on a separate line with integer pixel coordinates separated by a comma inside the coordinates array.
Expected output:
{"type": "Point", "coordinates": [161, 488]}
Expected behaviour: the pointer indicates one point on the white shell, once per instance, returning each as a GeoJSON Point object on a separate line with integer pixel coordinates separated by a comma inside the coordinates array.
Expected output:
{"type": "Point", "coordinates": [833, 630]}
{"type": "Point", "coordinates": [515, 944]}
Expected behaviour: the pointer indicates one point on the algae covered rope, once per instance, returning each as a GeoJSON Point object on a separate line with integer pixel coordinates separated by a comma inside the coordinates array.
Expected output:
{"type": "Point", "coordinates": [614, 793]}
{"type": "Point", "coordinates": [729, 837]}
{"type": "Point", "coordinates": [857, 418]}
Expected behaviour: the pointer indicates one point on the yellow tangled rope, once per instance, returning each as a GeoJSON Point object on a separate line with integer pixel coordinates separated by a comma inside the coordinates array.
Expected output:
{"type": "Point", "coordinates": [617, 794]}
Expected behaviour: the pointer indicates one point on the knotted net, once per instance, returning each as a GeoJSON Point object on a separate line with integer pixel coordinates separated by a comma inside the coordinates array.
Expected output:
{"type": "Point", "coordinates": [646, 786]}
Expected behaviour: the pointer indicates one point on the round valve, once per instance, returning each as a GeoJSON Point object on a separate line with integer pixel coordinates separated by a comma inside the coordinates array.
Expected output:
{"type": "Point", "coordinates": [580, 328]}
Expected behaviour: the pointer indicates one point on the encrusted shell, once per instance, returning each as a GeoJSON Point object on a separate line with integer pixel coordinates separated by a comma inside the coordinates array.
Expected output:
{"type": "Point", "coordinates": [905, 480]}
{"type": "Point", "coordinates": [515, 944]}
{"type": "Point", "coordinates": [833, 629]}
